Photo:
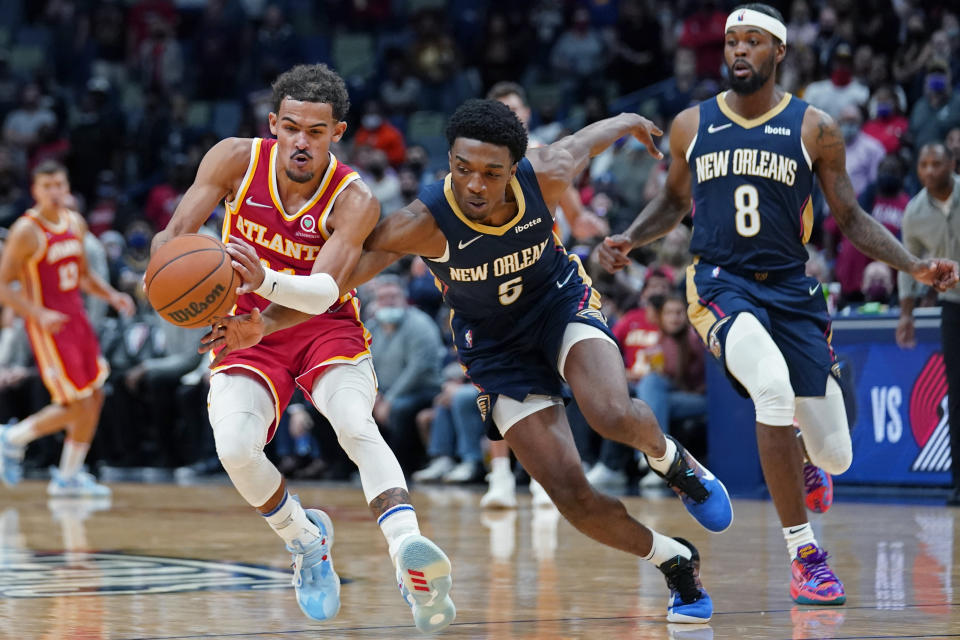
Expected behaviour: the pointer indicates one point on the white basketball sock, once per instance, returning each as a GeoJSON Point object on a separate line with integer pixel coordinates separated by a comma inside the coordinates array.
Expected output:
{"type": "Point", "coordinates": [22, 433]}
{"type": "Point", "coordinates": [397, 524]}
{"type": "Point", "coordinates": [664, 548]}
{"type": "Point", "coordinates": [798, 536]}
{"type": "Point", "coordinates": [290, 522]}
{"type": "Point", "coordinates": [662, 464]}
{"type": "Point", "coordinates": [72, 457]}
{"type": "Point", "coordinates": [500, 465]}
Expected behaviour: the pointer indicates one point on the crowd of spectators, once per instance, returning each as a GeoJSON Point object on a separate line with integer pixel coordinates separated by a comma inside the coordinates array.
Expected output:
{"type": "Point", "coordinates": [130, 94]}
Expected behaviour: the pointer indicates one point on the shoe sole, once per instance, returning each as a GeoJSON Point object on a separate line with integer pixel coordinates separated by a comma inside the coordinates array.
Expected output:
{"type": "Point", "coordinates": [824, 603]}
{"type": "Point", "coordinates": [498, 504]}
{"type": "Point", "coordinates": [684, 619]}
{"type": "Point", "coordinates": [425, 572]}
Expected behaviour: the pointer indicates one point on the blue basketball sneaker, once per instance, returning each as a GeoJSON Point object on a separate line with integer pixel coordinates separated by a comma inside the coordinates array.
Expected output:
{"type": "Point", "coordinates": [11, 458]}
{"type": "Point", "coordinates": [701, 492]}
{"type": "Point", "coordinates": [316, 583]}
{"type": "Point", "coordinates": [689, 602]}
{"type": "Point", "coordinates": [423, 575]}
{"type": "Point", "coordinates": [79, 485]}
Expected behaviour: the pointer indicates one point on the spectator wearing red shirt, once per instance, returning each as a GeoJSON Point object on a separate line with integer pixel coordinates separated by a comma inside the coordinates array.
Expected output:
{"type": "Point", "coordinates": [704, 32]}
{"type": "Point", "coordinates": [887, 124]}
{"type": "Point", "coordinates": [377, 133]}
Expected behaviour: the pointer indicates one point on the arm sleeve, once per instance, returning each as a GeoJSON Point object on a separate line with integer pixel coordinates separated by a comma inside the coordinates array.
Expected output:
{"type": "Point", "coordinates": [311, 294]}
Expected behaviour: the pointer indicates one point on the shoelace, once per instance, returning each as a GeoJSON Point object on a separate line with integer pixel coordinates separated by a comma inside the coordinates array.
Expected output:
{"type": "Point", "coordinates": [816, 567]}
{"type": "Point", "coordinates": [812, 477]}
{"type": "Point", "coordinates": [680, 579]}
{"type": "Point", "coordinates": [684, 478]}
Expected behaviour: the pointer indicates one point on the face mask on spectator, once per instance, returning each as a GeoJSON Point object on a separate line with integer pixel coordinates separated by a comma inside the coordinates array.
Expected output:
{"type": "Point", "coordinates": [372, 121]}
{"type": "Point", "coordinates": [849, 130]}
{"type": "Point", "coordinates": [389, 315]}
{"type": "Point", "coordinates": [884, 109]}
{"type": "Point", "coordinates": [841, 77]}
{"type": "Point", "coordinates": [876, 292]}
{"type": "Point", "coordinates": [937, 82]}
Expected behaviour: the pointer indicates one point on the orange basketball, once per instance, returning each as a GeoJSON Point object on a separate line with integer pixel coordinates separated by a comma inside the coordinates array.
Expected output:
{"type": "Point", "coordinates": [190, 282]}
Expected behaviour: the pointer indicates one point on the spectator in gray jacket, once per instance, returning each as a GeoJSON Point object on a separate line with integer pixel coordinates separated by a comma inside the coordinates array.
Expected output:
{"type": "Point", "coordinates": [407, 350]}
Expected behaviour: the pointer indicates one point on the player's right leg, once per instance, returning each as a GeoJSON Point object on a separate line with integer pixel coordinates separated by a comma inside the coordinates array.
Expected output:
{"type": "Point", "coordinates": [754, 359]}
{"type": "Point", "coordinates": [241, 412]}
{"type": "Point", "coordinates": [543, 443]}
{"type": "Point", "coordinates": [345, 394]}
{"type": "Point", "coordinates": [69, 479]}
{"type": "Point", "coordinates": [14, 437]}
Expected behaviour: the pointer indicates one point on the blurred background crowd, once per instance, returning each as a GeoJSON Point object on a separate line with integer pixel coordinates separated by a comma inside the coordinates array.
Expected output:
{"type": "Point", "coordinates": [130, 94]}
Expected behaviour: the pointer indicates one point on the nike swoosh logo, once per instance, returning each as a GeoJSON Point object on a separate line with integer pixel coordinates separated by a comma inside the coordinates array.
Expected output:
{"type": "Point", "coordinates": [714, 129]}
{"type": "Point", "coordinates": [813, 290]}
{"type": "Point", "coordinates": [565, 280]}
{"type": "Point", "coordinates": [251, 203]}
{"type": "Point", "coordinates": [464, 245]}
{"type": "Point", "coordinates": [793, 531]}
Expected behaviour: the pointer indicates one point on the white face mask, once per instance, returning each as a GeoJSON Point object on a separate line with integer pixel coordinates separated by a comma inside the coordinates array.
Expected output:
{"type": "Point", "coordinates": [389, 315]}
{"type": "Point", "coordinates": [371, 121]}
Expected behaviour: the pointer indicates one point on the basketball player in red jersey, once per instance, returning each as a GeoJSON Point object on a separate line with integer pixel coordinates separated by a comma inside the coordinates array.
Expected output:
{"type": "Point", "coordinates": [306, 213]}
{"type": "Point", "coordinates": [44, 254]}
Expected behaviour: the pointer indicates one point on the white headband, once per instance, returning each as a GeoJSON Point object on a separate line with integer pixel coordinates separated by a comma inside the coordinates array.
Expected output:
{"type": "Point", "coordinates": [751, 18]}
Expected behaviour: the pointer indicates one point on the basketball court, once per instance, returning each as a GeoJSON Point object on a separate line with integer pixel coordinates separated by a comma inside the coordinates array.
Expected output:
{"type": "Point", "coordinates": [168, 562]}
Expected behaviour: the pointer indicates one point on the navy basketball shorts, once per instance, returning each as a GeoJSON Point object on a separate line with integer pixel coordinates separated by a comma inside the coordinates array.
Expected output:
{"type": "Point", "coordinates": [515, 354]}
{"type": "Point", "coordinates": [790, 306]}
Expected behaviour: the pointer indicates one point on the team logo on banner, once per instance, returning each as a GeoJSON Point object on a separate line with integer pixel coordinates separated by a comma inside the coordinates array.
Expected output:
{"type": "Point", "coordinates": [930, 417]}
{"type": "Point", "coordinates": [42, 574]}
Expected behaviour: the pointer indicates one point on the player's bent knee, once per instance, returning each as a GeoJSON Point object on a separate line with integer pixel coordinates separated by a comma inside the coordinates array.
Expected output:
{"type": "Point", "coordinates": [774, 401]}
{"type": "Point", "coordinates": [835, 455]}
{"type": "Point", "coordinates": [237, 443]}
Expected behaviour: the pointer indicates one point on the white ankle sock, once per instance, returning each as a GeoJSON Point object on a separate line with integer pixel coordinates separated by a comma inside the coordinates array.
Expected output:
{"type": "Point", "coordinates": [663, 463]}
{"type": "Point", "coordinates": [21, 434]}
{"type": "Point", "coordinates": [798, 536]}
{"type": "Point", "coordinates": [72, 457]}
{"type": "Point", "coordinates": [398, 523]}
{"type": "Point", "coordinates": [665, 548]}
{"type": "Point", "coordinates": [501, 465]}
{"type": "Point", "coordinates": [290, 522]}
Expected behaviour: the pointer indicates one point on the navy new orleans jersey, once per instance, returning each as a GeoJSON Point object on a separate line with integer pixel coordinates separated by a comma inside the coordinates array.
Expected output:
{"type": "Point", "coordinates": [752, 181]}
{"type": "Point", "coordinates": [512, 290]}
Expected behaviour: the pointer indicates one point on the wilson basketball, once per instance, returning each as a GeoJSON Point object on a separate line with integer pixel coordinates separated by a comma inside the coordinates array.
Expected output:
{"type": "Point", "coordinates": [190, 281]}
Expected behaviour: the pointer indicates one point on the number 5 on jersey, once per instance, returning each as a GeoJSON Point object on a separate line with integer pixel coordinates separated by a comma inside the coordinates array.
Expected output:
{"type": "Point", "coordinates": [746, 200]}
{"type": "Point", "coordinates": [510, 290]}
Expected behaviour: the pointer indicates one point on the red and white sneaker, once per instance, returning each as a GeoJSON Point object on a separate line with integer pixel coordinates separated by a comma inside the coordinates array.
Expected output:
{"type": "Point", "coordinates": [423, 575]}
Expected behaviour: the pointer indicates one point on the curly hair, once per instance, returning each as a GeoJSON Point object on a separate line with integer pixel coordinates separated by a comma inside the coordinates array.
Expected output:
{"type": "Point", "coordinates": [489, 121]}
{"type": "Point", "coordinates": [312, 83]}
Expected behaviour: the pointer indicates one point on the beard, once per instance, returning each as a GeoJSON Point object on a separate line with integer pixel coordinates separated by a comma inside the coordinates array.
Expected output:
{"type": "Point", "coordinates": [751, 84]}
{"type": "Point", "coordinates": [301, 178]}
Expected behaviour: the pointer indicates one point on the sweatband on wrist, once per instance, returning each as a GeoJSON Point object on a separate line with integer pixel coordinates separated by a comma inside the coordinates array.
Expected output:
{"type": "Point", "coordinates": [751, 18]}
{"type": "Point", "coordinates": [311, 294]}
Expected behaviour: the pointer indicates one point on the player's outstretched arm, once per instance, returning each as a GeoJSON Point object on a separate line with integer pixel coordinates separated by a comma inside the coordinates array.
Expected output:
{"type": "Point", "coordinates": [667, 209]}
{"type": "Point", "coordinates": [559, 163]}
{"type": "Point", "coordinates": [824, 141]}
{"type": "Point", "coordinates": [21, 244]}
{"type": "Point", "coordinates": [220, 171]}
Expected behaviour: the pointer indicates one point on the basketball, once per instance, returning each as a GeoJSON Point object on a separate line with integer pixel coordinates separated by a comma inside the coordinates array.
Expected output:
{"type": "Point", "coordinates": [190, 281]}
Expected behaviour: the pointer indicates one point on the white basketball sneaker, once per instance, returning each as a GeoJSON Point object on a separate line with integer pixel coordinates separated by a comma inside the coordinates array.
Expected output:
{"type": "Point", "coordinates": [502, 491]}
{"type": "Point", "coordinates": [79, 485]}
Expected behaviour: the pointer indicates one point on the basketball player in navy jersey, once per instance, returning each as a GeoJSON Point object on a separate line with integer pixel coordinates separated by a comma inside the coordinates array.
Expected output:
{"type": "Point", "coordinates": [750, 156]}
{"type": "Point", "coordinates": [525, 319]}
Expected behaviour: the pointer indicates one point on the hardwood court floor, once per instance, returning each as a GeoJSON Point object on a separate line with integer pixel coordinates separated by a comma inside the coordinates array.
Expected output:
{"type": "Point", "coordinates": [154, 566]}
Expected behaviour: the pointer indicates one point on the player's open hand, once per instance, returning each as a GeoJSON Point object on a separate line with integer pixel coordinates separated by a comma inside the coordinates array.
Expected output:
{"type": "Point", "coordinates": [231, 333]}
{"type": "Point", "coordinates": [938, 273]}
{"type": "Point", "coordinates": [612, 252]}
{"type": "Point", "coordinates": [246, 264]}
{"type": "Point", "coordinates": [50, 320]}
{"type": "Point", "coordinates": [644, 131]}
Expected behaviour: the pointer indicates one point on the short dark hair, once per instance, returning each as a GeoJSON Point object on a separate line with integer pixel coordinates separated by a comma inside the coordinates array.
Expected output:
{"type": "Point", "coordinates": [312, 83]}
{"type": "Point", "coordinates": [765, 9]}
{"type": "Point", "coordinates": [489, 121]}
{"type": "Point", "coordinates": [47, 168]}
{"type": "Point", "coordinates": [506, 88]}
{"type": "Point", "coordinates": [937, 146]}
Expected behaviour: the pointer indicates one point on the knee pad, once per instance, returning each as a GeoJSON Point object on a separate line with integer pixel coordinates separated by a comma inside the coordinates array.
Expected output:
{"type": "Point", "coordinates": [757, 363]}
{"type": "Point", "coordinates": [823, 423]}
{"type": "Point", "coordinates": [241, 411]}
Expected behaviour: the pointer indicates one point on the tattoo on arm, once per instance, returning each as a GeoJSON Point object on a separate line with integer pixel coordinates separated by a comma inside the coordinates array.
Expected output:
{"type": "Point", "coordinates": [387, 499]}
